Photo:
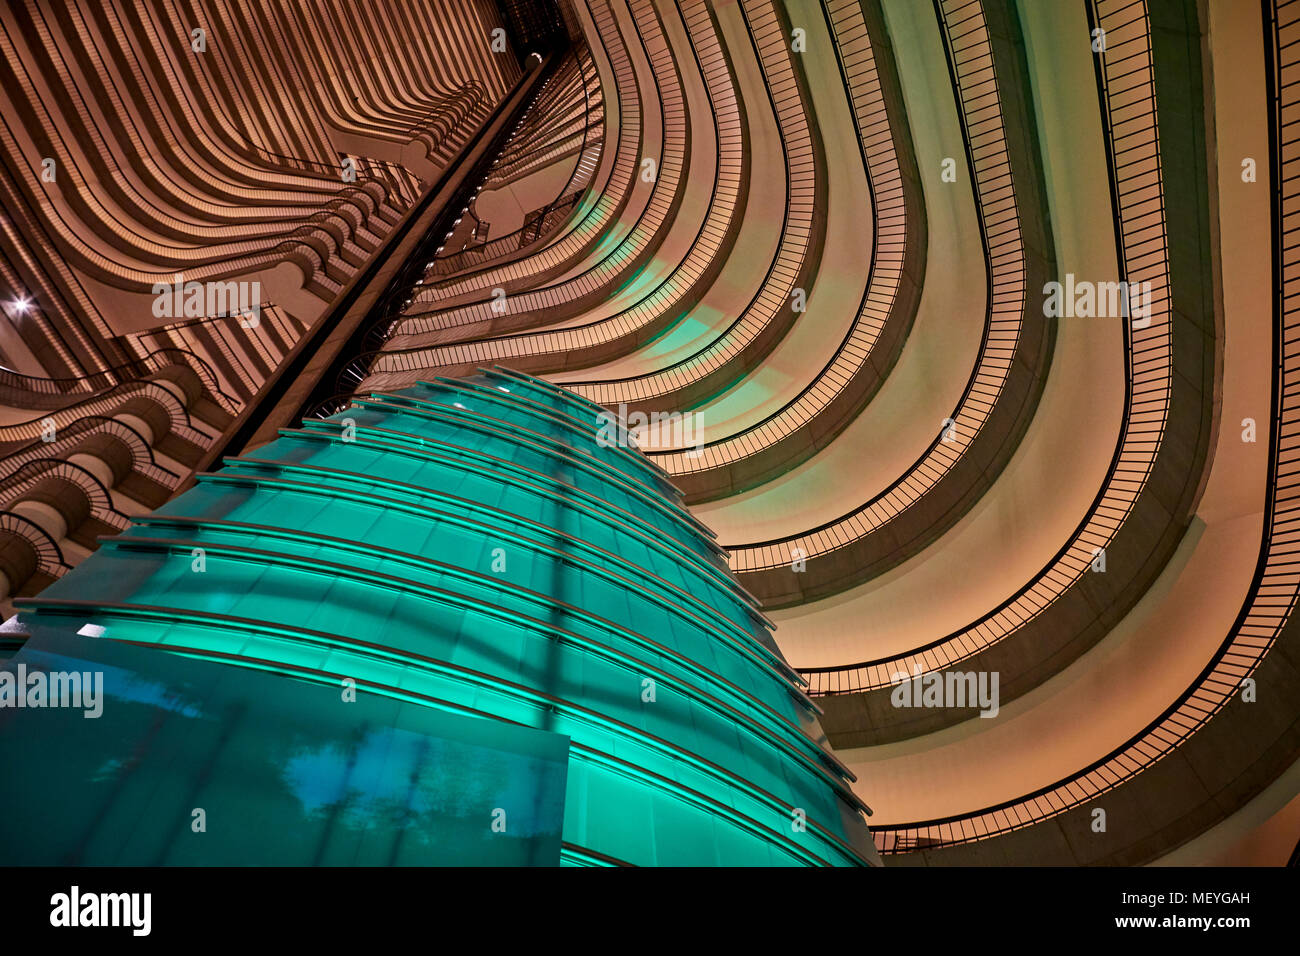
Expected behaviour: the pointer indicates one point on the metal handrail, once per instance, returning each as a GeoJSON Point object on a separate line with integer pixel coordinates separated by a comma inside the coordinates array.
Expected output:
{"type": "Point", "coordinates": [521, 238]}
{"type": "Point", "coordinates": [597, 217]}
{"type": "Point", "coordinates": [620, 190]}
{"type": "Point", "coordinates": [801, 231]}
{"type": "Point", "coordinates": [450, 263]}
{"type": "Point", "coordinates": [49, 556]}
{"type": "Point", "coordinates": [1275, 586]}
{"type": "Point", "coordinates": [28, 387]}
{"type": "Point", "coordinates": [1143, 255]}
{"type": "Point", "coordinates": [659, 303]}
{"type": "Point", "coordinates": [392, 365]}
{"type": "Point", "coordinates": [980, 112]}
{"type": "Point", "coordinates": [884, 271]}
{"type": "Point", "coordinates": [252, 244]}
{"type": "Point", "coordinates": [719, 117]}
{"type": "Point", "coordinates": [21, 480]}
{"type": "Point", "coordinates": [71, 435]}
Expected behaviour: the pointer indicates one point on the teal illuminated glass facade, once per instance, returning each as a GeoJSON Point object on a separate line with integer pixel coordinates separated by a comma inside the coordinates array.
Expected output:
{"type": "Point", "coordinates": [469, 548]}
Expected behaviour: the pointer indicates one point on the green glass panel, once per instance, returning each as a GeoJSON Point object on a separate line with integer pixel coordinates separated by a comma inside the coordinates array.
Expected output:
{"type": "Point", "coordinates": [194, 763]}
{"type": "Point", "coordinates": [470, 549]}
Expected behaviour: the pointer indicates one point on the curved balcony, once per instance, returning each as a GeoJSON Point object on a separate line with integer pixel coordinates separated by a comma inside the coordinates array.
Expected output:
{"type": "Point", "coordinates": [612, 189]}
{"type": "Point", "coordinates": [586, 340]}
{"type": "Point", "coordinates": [622, 256]}
{"type": "Point", "coordinates": [1145, 761]}
{"type": "Point", "coordinates": [865, 356]}
{"type": "Point", "coordinates": [973, 444]}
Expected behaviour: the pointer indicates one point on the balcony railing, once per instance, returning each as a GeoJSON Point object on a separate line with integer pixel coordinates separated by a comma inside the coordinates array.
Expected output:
{"type": "Point", "coordinates": [855, 355]}
{"type": "Point", "coordinates": [1126, 88]}
{"type": "Point", "coordinates": [1275, 586]}
{"type": "Point", "coordinates": [974, 77]}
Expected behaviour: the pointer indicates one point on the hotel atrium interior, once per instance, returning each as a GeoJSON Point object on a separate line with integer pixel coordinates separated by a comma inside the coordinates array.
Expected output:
{"type": "Point", "coordinates": [650, 432]}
